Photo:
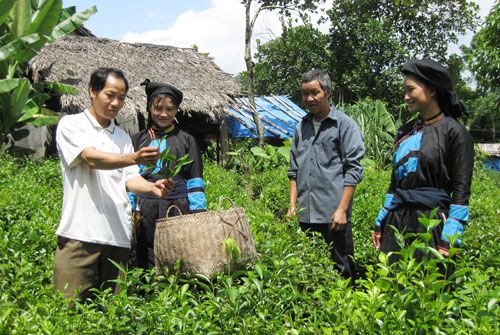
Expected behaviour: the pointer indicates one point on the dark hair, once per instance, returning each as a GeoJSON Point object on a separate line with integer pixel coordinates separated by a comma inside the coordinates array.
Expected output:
{"type": "Point", "coordinates": [321, 75]}
{"type": "Point", "coordinates": [99, 77]}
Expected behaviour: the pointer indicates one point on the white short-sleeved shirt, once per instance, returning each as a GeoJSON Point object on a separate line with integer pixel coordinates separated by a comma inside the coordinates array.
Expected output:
{"type": "Point", "coordinates": [95, 206]}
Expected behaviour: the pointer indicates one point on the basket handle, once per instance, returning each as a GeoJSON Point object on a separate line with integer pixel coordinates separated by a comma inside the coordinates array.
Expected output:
{"type": "Point", "coordinates": [231, 224]}
{"type": "Point", "coordinates": [221, 199]}
{"type": "Point", "coordinates": [173, 206]}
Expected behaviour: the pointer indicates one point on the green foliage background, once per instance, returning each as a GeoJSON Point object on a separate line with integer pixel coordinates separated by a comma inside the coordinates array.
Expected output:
{"type": "Point", "coordinates": [367, 43]}
{"type": "Point", "coordinates": [290, 289]}
{"type": "Point", "coordinates": [26, 26]}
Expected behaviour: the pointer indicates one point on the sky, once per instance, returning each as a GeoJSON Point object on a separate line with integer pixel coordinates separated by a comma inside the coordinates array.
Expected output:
{"type": "Point", "coordinates": [215, 26]}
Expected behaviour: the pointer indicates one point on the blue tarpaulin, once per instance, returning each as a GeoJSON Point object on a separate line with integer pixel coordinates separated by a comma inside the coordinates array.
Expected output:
{"type": "Point", "coordinates": [278, 114]}
{"type": "Point", "coordinates": [492, 164]}
{"type": "Point", "coordinates": [492, 150]}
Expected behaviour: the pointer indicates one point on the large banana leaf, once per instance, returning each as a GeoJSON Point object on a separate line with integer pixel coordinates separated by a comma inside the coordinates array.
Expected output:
{"type": "Point", "coordinates": [44, 117]}
{"type": "Point", "coordinates": [42, 91]}
{"type": "Point", "coordinates": [25, 27]}
{"type": "Point", "coordinates": [57, 88]}
{"type": "Point", "coordinates": [21, 18]}
{"type": "Point", "coordinates": [385, 118]}
{"type": "Point", "coordinates": [5, 7]}
{"type": "Point", "coordinates": [19, 49]}
{"type": "Point", "coordinates": [70, 24]}
{"type": "Point", "coordinates": [7, 85]}
{"type": "Point", "coordinates": [67, 12]}
{"type": "Point", "coordinates": [37, 116]}
{"type": "Point", "coordinates": [16, 102]}
{"type": "Point", "coordinates": [45, 17]}
{"type": "Point", "coordinates": [31, 107]}
{"type": "Point", "coordinates": [39, 98]}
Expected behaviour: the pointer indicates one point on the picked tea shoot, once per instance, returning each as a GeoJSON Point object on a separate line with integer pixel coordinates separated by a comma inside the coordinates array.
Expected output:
{"type": "Point", "coordinates": [172, 164]}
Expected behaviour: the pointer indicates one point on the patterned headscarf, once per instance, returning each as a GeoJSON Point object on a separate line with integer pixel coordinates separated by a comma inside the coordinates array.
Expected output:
{"type": "Point", "coordinates": [435, 75]}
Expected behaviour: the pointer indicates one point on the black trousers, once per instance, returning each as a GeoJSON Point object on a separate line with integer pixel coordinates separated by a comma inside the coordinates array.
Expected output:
{"type": "Point", "coordinates": [341, 246]}
{"type": "Point", "coordinates": [405, 219]}
{"type": "Point", "coordinates": [152, 210]}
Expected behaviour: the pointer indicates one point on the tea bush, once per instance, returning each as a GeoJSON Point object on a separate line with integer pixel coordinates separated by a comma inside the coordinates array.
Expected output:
{"type": "Point", "coordinates": [291, 288]}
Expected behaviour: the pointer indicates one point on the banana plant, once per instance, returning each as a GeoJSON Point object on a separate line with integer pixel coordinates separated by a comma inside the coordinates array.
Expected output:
{"type": "Point", "coordinates": [378, 128]}
{"type": "Point", "coordinates": [26, 26]}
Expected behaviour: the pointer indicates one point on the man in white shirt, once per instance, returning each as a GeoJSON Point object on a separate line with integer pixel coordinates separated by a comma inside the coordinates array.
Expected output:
{"type": "Point", "coordinates": [98, 166]}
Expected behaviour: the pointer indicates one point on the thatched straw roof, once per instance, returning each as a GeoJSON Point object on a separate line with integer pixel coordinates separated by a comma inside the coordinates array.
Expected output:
{"type": "Point", "coordinates": [207, 89]}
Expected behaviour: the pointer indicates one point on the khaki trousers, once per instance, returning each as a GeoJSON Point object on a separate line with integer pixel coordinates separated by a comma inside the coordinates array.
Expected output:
{"type": "Point", "coordinates": [82, 266]}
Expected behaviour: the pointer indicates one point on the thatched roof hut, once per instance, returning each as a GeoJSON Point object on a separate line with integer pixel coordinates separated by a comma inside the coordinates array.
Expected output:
{"type": "Point", "coordinates": [207, 89]}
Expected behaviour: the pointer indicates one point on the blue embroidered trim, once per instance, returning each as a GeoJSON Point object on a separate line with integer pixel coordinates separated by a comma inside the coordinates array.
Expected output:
{"type": "Point", "coordinates": [452, 227]}
{"type": "Point", "coordinates": [381, 215]}
{"type": "Point", "coordinates": [195, 182]}
{"type": "Point", "coordinates": [411, 144]}
{"type": "Point", "coordinates": [388, 200]}
{"type": "Point", "coordinates": [459, 212]}
{"type": "Point", "coordinates": [197, 200]}
{"type": "Point", "coordinates": [409, 166]}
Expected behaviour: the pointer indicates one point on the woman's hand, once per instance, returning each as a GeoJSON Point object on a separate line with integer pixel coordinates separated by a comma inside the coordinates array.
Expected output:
{"type": "Point", "coordinates": [376, 238]}
{"type": "Point", "coordinates": [444, 253]}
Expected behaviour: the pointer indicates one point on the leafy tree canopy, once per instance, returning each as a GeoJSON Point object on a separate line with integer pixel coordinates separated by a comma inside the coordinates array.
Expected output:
{"type": "Point", "coordinates": [483, 56]}
{"type": "Point", "coordinates": [285, 7]}
{"type": "Point", "coordinates": [367, 43]}
{"type": "Point", "coordinates": [281, 62]}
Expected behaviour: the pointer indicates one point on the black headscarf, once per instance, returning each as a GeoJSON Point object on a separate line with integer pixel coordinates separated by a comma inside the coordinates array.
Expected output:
{"type": "Point", "coordinates": [435, 75]}
{"type": "Point", "coordinates": [153, 89]}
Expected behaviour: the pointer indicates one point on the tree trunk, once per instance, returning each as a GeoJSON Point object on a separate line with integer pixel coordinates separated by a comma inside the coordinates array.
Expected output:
{"type": "Point", "coordinates": [493, 133]}
{"type": "Point", "coordinates": [250, 66]}
{"type": "Point", "coordinates": [224, 141]}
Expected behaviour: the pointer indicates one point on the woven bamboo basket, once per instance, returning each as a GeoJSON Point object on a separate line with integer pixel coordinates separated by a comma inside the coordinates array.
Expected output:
{"type": "Point", "coordinates": [197, 240]}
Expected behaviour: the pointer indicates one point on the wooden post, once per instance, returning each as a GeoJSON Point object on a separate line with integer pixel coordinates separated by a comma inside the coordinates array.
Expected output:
{"type": "Point", "coordinates": [224, 140]}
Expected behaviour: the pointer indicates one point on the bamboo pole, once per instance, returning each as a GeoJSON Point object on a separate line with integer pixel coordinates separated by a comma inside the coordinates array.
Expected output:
{"type": "Point", "coordinates": [286, 104]}
{"type": "Point", "coordinates": [272, 131]}
{"type": "Point", "coordinates": [265, 119]}
{"type": "Point", "coordinates": [286, 111]}
{"type": "Point", "coordinates": [243, 122]}
{"type": "Point", "coordinates": [276, 116]}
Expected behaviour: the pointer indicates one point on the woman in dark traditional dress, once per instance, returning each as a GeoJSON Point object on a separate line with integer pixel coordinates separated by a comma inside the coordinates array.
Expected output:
{"type": "Point", "coordinates": [432, 163]}
{"type": "Point", "coordinates": [163, 102]}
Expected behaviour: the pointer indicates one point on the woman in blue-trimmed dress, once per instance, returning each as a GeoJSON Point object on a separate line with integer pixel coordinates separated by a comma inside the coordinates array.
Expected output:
{"type": "Point", "coordinates": [163, 102]}
{"type": "Point", "coordinates": [432, 163]}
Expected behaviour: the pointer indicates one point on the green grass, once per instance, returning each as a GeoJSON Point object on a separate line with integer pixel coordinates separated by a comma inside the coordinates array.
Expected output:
{"type": "Point", "coordinates": [290, 289]}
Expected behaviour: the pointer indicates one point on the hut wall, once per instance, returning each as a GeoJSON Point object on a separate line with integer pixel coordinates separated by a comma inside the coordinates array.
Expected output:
{"type": "Point", "coordinates": [39, 140]}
